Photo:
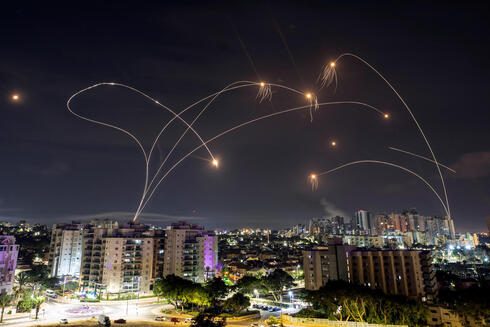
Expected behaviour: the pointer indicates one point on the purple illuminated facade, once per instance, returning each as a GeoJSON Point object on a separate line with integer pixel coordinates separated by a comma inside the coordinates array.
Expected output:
{"type": "Point", "coordinates": [190, 252]}
{"type": "Point", "coordinates": [8, 262]}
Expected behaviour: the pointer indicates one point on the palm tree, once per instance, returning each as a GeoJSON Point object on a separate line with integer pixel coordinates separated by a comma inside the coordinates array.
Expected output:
{"type": "Point", "coordinates": [5, 299]}
{"type": "Point", "coordinates": [38, 300]}
{"type": "Point", "coordinates": [22, 279]}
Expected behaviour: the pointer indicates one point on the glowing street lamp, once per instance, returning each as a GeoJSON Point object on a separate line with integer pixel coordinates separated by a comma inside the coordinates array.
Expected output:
{"type": "Point", "coordinates": [215, 163]}
{"type": "Point", "coordinates": [256, 293]}
{"type": "Point", "coordinates": [386, 116]}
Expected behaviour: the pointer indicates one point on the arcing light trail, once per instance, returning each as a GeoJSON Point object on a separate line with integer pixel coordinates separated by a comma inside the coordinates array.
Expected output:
{"type": "Point", "coordinates": [329, 75]}
{"type": "Point", "coordinates": [264, 93]}
{"type": "Point", "coordinates": [421, 157]}
{"type": "Point", "coordinates": [307, 107]}
{"type": "Point", "coordinates": [138, 142]}
{"type": "Point", "coordinates": [314, 177]}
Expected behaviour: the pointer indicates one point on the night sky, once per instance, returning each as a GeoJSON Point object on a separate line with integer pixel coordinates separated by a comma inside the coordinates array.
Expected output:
{"type": "Point", "coordinates": [56, 167]}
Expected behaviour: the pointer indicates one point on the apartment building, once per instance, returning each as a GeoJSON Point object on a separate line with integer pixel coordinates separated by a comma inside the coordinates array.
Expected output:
{"type": "Point", "coordinates": [120, 260]}
{"type": "Point", "coordinates": [315, 264]}
{"type": "Point", "coordinates": [190, 252]}
{"type": "Point", "coordinates": [65, 250]}
{"type": "Point", "coordinates": [398, 272]}
{"type": "Point", "coordinates": [322, 264]}
{"type": "Point", "coordinates": [9, 252]}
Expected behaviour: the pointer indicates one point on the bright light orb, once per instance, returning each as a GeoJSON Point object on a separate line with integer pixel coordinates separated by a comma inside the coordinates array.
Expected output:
{"type": "Point", "coordinates": [312, 176]}
{"type": "Point", "coordinates": [262, 84]}
{"type": "Point", "coordinates": [332, 64]}
{"type": "Point", "coordinates": [308, 95]}
{"type": "Point", "coordinates": [215, 163]}
{"type": "Point", "coordinates": [333, 143]}
{"type": "Point", "coordinates": [386, 116]}
{"type": "Point", "coordinates": [15, 97]}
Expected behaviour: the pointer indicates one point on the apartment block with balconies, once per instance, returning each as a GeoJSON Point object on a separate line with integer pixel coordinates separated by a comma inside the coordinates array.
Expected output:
{"type": "Point", "coordinates": [9, 252]}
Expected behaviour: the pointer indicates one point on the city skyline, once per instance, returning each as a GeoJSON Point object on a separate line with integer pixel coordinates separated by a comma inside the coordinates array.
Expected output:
{"type": "Point", "coordinates": [59, 168]}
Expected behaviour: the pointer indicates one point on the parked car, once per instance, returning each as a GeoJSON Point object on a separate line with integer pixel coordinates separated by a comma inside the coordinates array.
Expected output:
{"type": "Point", "coordinates": [63, 321]}
{"type": "Point", "coordinates": [120, 321]}
{"type": "Point", "coordinates": [276, 309]}
{"type": "Point", "coordinates": [160, 318]}
{"type": "Point", "coordinates": [175, 320]}
{"type": "Point", "coordinates": [188, 320]}
{"type": "Point", "coordinates": [256, 324]}
{"type": "Point", "coordinates": [270, 309]}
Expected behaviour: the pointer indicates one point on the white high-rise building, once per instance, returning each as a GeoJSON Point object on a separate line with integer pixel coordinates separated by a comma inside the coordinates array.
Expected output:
{"type": "Point", "coordinates": [190, 252]}
{"type": "Point", "coordinates": [120, 259]}
{"type": "Point", "coordinates": [65, 250]}
{"type": "Point", "coordinates": [9, 252]}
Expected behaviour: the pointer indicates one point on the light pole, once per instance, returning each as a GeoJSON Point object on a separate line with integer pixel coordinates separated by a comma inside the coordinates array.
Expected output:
{"type": "Point", "coordinates": [291, 295]}
{"type": "Point", "coordinates": [256, 294]}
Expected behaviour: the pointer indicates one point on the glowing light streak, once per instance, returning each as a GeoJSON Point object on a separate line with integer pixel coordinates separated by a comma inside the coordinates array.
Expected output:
{"type": "Point", "coordinates": [421, 157]}
{"type": "Point", "coordinates": [313, 178]}
{"type": "Point", "coordinates": [307, 107]}
{"type": "Point", "coordinates": [264, 93]}
{"type": "Point", "coordinates": [326, 79]}
{"type": "Point", "coordinates": [392, 165]}
{"type": "Point", "coordinates": [138, 142]}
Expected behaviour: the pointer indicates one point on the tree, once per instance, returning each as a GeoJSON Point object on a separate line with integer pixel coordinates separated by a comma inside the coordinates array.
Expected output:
{"type": "Point", "coordinates": [5, 299]}
{"type": "Point", "coordinates": [71, 286]}
{"type": "Point", "coordinates": [38, 300]}
{"type": "Point", "coordinates": [200, 296]}
{"type": "Point", "coordinates": [248, 284]}
{"type": "Point", "coordinates": [206, 319]}
{"type": "Point", "coordinates": [217, 289]}
{"type": "Point", "coordinates": [26, 303]}
{"type": "Point", "coordinates": [276, 282]}
{"type": "Point", "coordinates": [237, 303]}
{"type": "Point", "coordinates": [22, 279]}
{"type": "Point", "coordinates": [175, 289]}
{"type": "Point", "coordinates": [343, 301]}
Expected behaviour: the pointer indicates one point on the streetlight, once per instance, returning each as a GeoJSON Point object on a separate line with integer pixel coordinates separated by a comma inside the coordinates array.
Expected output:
{"type": "Point", "coordinates": [291, 295]}
{"type": "Point", "coordinates": [256, 293]}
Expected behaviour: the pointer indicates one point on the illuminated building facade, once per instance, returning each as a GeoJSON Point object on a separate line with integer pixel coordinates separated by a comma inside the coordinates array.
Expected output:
{"type": "Point", "coordinates": [190, 252]}
{"type": "Point", "coordinates": [65, 250]}
{"type": "Point", "coordinates": [120, 260]}
{"type": "Point", "coordinates": [397, 272]}
{"type": "Point", "coordinates": [9, 252]}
